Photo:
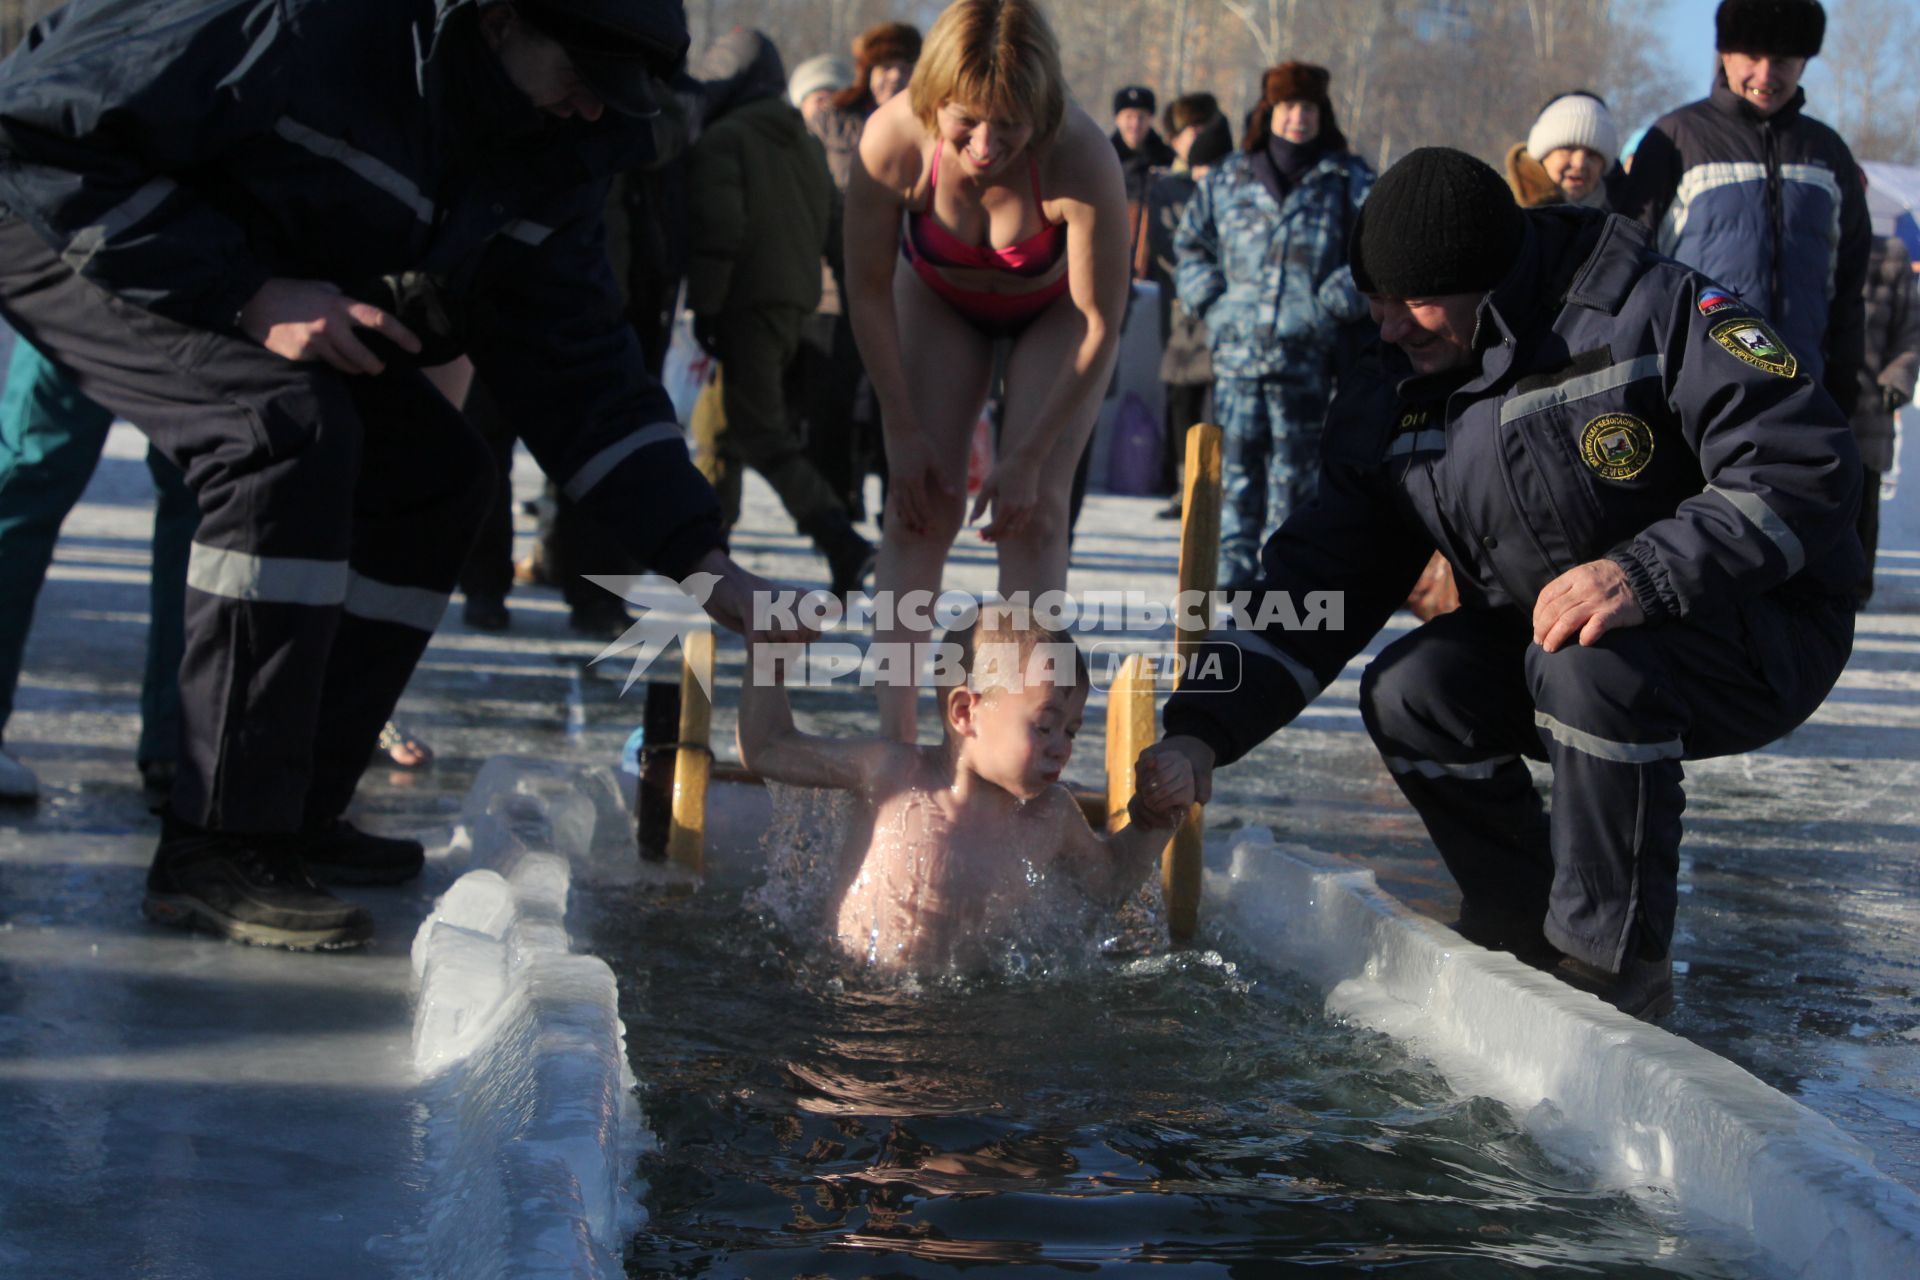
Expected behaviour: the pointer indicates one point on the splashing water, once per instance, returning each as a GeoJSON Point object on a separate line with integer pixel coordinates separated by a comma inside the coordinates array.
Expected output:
{"type": "Point", "coordinates": [1034, 922]}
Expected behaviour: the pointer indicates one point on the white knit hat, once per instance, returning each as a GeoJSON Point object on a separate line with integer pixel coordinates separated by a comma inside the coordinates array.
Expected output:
{"type": "Point", "coordinates": [824, 72]}
{"type": "Point", "coordinates": [1574, 120]}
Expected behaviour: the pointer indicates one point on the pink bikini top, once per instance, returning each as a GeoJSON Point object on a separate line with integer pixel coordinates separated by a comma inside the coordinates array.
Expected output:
{"type": "Point", "coordinates": [1034, 256]}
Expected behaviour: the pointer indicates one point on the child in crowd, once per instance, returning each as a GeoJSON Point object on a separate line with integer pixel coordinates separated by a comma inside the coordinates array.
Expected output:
{"type": "Point", "coordinates": [953, 843]}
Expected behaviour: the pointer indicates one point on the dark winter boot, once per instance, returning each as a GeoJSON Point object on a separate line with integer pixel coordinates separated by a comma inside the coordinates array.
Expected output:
{"type": "Point", "coordinates": [248, 889]}
{"type": "Point", "coordinates": [1502, 928]}
{"type": "Point", "coordinates": [485, 612]}
{"type": "Point", "coordinates": [599, 617]}
{"type": "Point", "coordinates": [156, 784]}
{"type": "Point", "coordinates": [338, 852]}
{"type": "Point", "coordinates": [1644, 989]}
{"type": "Point", "coordinates": [850, 557]}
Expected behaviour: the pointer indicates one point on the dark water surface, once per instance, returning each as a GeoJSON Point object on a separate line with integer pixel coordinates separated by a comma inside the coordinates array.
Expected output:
{"type": "Point", "coordinates": [1176, 1112]}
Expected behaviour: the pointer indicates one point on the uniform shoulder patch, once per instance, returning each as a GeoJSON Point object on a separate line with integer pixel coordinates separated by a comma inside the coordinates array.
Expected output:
{"type": "Point", "coordinates": [1713, 300]}
{"type": "Point", "coordinates": [1617, 446]}
{"type": "Point", "coordinates": [1753, 341]}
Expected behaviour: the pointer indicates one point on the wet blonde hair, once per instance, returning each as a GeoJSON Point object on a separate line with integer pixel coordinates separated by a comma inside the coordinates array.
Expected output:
{"type": "Point", "coordinates": [1010, 638]}
{"type": "Point", "coordinates": [998, 56]}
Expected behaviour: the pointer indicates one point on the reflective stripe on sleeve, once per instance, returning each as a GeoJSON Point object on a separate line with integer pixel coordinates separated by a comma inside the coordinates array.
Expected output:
{"type": "Point", "coordinates": [1591, 384]}
{"type": "Point", "coordinates": [1479, 769]}
{"type": "Point", "coordinates": [372, 168]}
{"type": "Point", "coordinates": [1249, 643]}
{"type": "Point", "coordinates": [601, 464]}
{"type": "Point", "coordinates": [1417, 442]}
{"type": "Point", "coordinates": [240, 575]}
{"type": "Point", "coordinates": [416, 607]}
{"type": "Point", "coordinates": [1763, 518]}
{"type": "Point", "coordinates": [528, 233]}
{"type": "Point", "coordinates": [1605, 748]}
{"type": "Point", "coordinates": [130, 212]}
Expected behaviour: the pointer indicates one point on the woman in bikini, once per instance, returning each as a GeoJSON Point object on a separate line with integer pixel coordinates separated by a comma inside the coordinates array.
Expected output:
{"type": "Point", "coordinates": [984, 206]}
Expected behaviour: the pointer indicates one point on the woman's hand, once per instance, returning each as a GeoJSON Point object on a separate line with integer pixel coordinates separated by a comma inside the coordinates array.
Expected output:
{"type": "Point", "coordinates": [1011, 493]}
{"type": "Point", "coordinates": [916, 487]}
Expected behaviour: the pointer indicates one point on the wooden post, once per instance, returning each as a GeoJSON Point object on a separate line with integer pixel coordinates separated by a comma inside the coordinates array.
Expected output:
{"type": "Point", "coordinates": [1129, 732]}
{"type": "Point", "coordinates": [653, 800]}
{"type": "Point", "coordinates": [693, 763]}
{"type": "Point", "coordinates": [1199, 570]}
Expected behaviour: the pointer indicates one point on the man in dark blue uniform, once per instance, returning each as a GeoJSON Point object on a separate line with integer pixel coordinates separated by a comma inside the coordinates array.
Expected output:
{"type": "Point", "coordinates": [224, 219]}
{"type": "Point", "coordinates": [1648, 506]}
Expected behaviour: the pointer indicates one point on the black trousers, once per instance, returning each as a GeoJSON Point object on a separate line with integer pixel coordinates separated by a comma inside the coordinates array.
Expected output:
{"type": "Point", "coordinates": [334, 514]}
{"type": "Point", "coordinates": [822, 385]}
{"type": "Point", "coordinates": [488, 570]}
{"type": "Point", "coordinates": [1453, 706]}
{"type": "Point", "coordinates": [1188, 404]}
{"type": "Point", "coordinates": [1869, 529]}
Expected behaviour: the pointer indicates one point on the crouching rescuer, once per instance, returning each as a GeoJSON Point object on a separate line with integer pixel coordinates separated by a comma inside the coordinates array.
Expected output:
{"type": "Point", "coordinates": [1648, 506]}
{"type": "Point", "coordinates": [214, 215]}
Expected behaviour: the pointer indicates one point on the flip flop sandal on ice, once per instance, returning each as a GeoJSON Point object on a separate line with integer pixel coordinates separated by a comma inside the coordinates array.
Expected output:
{"type": "Point", "coordinates": [402, 749]}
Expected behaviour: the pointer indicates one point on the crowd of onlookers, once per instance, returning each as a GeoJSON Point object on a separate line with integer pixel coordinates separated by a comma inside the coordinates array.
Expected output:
{"type": "Point", "coordinates": [1245, 244]}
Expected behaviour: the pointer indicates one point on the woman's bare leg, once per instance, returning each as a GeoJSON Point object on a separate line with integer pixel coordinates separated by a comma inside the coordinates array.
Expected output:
{"type": "Point", "coordinates": [1035, 559]}
{"type": "Point", "coordinates": [948, 364]}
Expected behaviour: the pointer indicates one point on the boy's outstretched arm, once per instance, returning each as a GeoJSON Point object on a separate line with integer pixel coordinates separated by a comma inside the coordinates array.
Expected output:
{"type": "Point", "coordinates": [1110, 867]}
{"type": "Point", "coordinates": [772, 747]}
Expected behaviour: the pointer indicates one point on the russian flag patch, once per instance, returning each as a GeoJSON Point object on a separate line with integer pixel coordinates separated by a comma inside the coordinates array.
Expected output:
{"type": "Point", "coordinates": [1714, 300]}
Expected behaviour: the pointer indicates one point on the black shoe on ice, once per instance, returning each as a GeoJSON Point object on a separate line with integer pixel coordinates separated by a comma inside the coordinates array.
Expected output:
{"type": "Point", "coordinates": [249, 889]}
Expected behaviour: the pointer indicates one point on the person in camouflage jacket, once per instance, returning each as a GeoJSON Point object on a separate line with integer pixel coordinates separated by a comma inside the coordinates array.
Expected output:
{"type": "Point", "coordinates": [1262, 256]}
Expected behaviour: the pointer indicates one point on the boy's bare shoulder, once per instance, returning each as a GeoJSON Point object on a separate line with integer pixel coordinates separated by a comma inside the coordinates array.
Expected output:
{"type": "Point", "coordinates": [1058, 805]}
{"type": "Point", "coordinates": [901, 764]}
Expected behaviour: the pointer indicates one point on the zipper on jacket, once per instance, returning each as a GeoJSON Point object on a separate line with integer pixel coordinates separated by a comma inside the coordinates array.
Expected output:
{"type": "Point", "coordinates": [1487, 553]}
{"type": "Point", "coordinates": [1776, 219]}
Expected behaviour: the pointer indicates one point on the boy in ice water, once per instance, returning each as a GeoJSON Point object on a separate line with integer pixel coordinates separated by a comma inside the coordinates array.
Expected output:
{"type": "Point", "coordinates": [953, 846]}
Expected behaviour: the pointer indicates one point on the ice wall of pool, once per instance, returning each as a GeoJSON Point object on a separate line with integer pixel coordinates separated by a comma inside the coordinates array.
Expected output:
{"type": "Point", "coordinates": [529, 1126]}
{"type": "Point", "coordinates": [1641, 1107]}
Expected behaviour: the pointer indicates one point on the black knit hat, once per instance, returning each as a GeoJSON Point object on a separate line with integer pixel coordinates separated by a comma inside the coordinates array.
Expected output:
{"type": "Point", "coordinates": [1212, 144]}
{"type": "Point", "coordinates": [1438, 222]}
{"type": "Point", "coordinates": [1783, 28]}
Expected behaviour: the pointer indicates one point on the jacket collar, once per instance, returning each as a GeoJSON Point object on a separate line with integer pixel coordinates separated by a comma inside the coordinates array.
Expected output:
{"type": "Point", "coordinates": [1261, 168]}
{"type": "Point", "coordinates": [1561, 245]}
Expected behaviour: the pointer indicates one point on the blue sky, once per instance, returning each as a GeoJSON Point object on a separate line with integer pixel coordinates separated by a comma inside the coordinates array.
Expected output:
{"type": "Point", "coordinates": [1688, 28]}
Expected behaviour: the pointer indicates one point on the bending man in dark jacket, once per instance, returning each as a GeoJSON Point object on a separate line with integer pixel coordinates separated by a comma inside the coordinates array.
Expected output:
{"type": "Point", "coordinates": [1761, 198]}
{"type": "Point", "coordinates": [1649, 508]}
{"type": "Point", "coordinates": [197, 192]}
{"type": "Point", "coordinates": [761, 212]}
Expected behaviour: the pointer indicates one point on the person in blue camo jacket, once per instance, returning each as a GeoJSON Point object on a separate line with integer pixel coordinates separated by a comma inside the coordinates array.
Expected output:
{"type": "Point", "coordinates": [1261, 259]}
